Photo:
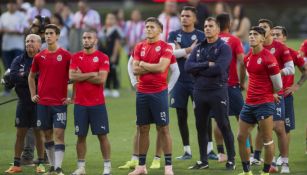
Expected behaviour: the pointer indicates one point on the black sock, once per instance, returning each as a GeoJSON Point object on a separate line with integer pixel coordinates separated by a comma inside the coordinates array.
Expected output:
{"type": "Point", "coordinates": [142, 159]}
{"type": "Point", "coordinates": [246, 166]}
{"type": "Point", "coordinates": [40, 161]}
{"type": "Point", "coordinates": [220, 149]}
{"type": "Point", "coordinates": [168, 159]}
{"type": "Point", "coordinates": [257, 154]}
{"type": "Point", "coordinates": [252, 149]}
{"type": "Point", "coordinates": [16, 161]}
{"type": "Point", "coordinates": [266, 168]}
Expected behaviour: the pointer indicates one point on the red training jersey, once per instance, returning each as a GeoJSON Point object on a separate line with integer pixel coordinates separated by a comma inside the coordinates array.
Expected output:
{"type": "Point", "coordinates": [53, 76]}
{"type": "Point", "coordinates": [89, 94]}
{"type": "Point", "coordinates": [282, 55]}
{"type": "Point", "coordinates": [260, 67]}
{"type": "Point", "coordinates": [298, 61]}
{"type": "Point", "coordinates": [236, 48]}
{"type": "Point", "coordinates": [152, 53]}
{"type": "Point", "coordinates": [303, 48]}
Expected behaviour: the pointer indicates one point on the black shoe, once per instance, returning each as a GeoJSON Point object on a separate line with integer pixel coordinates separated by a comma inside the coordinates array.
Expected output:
{"type": "Point", "coordinates": [199, 166]}
{"type": "Point", "coordinates": [59, 171]}
{"type": "Point", "coordinates": [230, 165]}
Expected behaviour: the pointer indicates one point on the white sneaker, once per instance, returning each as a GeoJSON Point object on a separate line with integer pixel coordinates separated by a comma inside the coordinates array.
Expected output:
{"type": "Point", "coordinates": [279, 161]}
{"type": "Point", "coordinates": [254, 161]}
{"type": "Point", "coordinates": [106, 171]}
{"type": "Point", "coordinates": [79, 171]}
{"type": "Point", "coordinates": [285, 168]}
{"type": "Point", "coordinates": [115, 93]}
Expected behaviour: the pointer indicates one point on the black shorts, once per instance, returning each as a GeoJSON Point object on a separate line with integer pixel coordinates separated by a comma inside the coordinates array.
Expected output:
{"type": "Point", "coordinates": [25, 116]}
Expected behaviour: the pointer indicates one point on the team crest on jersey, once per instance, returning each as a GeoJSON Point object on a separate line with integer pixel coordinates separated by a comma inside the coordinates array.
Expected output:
{"type": "Point", "coordinates": [59, 58]}
{"type": "Point", "coordinates": [272, 51]}
{"type": "Point", "coordinates": [259, 61]}
{"type": "Point", "coordinates": [193, 37]}
{"type": "Point", "coordinates": [95, 59]}
{"type": "Point", "coordinates": [178, 39]}
{"type": "Point", "coordinates": [158, 48]}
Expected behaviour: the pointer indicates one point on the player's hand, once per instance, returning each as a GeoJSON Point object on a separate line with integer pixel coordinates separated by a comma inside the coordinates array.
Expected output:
{"type": "Point", "coordinates": [242, 86]}
{"type": "Point", "coordinates": [193, 45]}
{"type": "Point", "coordinates": [35, 98]}
{"type": "Point", "coordinates": [292, 89]}
{"type": "Point", "coordinates": [211, 64]}
{"type": "Point", "coordinates": [277, 98]}
{"type": "Point", "coordinates": [141, 63]}
{"type": "Point", "coordinates": [67, 101]}
{"type": "Point", "coordinates": [177, 45]}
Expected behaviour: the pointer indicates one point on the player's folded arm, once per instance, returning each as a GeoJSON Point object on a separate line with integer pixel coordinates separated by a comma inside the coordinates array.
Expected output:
{"type": "Point", "coordinates": [159, 67]}
{"type": "Point", "coordinates": [100, 78]}
{"type": "Point", "coordinates": [74, 75]}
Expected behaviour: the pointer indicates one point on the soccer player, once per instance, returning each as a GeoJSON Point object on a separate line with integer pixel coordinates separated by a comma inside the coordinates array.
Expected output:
{"type": "Point", "coordinates": [235, 85]}
{"type": "Point", "coordinates": [151, 61]}
{"type": "Point", "coordinates": [285, 63]}
{"type": "Point", "coordinates": [159, 148]}
{"type": "Point", "coordinates": [209, 64]}
{"type": "Point", "coordinates": [88, 70]}
{"type": "Point", "coordinates": [26, 110]}
{"type": "Point", "coordinates": [185, 39]}
{"type": "Point", "coordinates": [280, 34]}
{"type": "Point", "coordinates": [52, 65]}
{"type": "Point", "coordinates": [264, 82]}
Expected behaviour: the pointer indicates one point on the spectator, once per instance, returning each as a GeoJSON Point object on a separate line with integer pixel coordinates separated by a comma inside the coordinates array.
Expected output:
{"type": "Point", "coordinates": [84, 19]}
{"type": "Point", "coordinates": [38, 27]}
{"type": "Point", "coordinates": [169, 18]}
{"type": "Point", "coordinates": [221, 7]}
{"type": "Point", "coordinates": [61, 7]}
{"type": "Point", "coordinates": [63, 40]}
{"type": "Point", "coordinates": [23, 6]}
{"type": "Point", "coordinates": [241, 25]}
{"type": "Point", "coordinates": [12, 26]}
{"type": "Point", "coordinates": [202, 13]}
{"type": "Point", "coordinates": [110, 45]}
{"type": "Point", "coordinates": [134, 30]}
{"type": "Point", "coordinates": [38, 9]}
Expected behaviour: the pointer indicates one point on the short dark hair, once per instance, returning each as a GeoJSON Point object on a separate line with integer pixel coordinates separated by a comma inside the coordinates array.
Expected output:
{"type": "Point", "coordinates": [223, 20]}
{"type": "Point", "coordinates": [190, 8]}
{"type": "Point", "coordinates": [54, 27]}
{"type": "Point", "coordinates": [212, 19]}
{"type": "Point", "coordinates": [154, 20]}
{"type": "Point", "coordinates": [266, 21]}
{"type": "Point", "coordinates": [43, 21]}
{"type": "Point", "coordinates": [283, 30]}
{"type": "Point", "coordinates": [258, 29]}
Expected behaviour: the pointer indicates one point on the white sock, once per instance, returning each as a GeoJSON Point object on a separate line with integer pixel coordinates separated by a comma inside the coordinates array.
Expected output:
{"type": "Point", "coordinates": [209, 147]}
{"type": "Point", "coordinates": [81, 163]}
{"type": "Point", "coordinates": [106, 167]}
{"type": "Point", "coordinates": [59, 155]}
{"type": "Point", "coordinates": [50, 155]}
{"type": "Point", "coordinates": [285, 159]}
{"type": "Point", "coordinates": [134, 157]}
{"type": "Point", "coordinates": [187, 149]}
{"type": "Point", "coordinates": [274, 159]}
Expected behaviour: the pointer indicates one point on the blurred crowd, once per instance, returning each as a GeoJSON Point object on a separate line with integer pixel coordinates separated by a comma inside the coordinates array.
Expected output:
{"type": "Point", "coordinates": [118, 33]}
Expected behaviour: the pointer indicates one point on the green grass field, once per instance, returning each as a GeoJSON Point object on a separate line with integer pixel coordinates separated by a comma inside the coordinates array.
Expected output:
{"type": "Point", "coordinates": [122, 128]}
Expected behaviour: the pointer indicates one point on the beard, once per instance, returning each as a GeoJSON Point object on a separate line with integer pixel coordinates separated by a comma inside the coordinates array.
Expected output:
{"type": "Point", "coordinates": [89, 46]}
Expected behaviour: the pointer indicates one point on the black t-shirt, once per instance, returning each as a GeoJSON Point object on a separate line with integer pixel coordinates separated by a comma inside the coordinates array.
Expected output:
{"type": "Point", "coordinates": [107, 41]}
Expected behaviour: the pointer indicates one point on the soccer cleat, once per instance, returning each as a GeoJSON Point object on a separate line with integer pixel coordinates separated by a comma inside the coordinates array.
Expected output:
{"type": "Point", "coordinates": [50, 171]}
{"type": "Point", "coordinates": [155, 164]}
{"type": "Point", "coordinates": [246, 173]}
{"type": "Point", "coordinates": [185, 156]}
{"type": "Point", "coordinates": [273, 169]}
{"type": "Point", "coordinates": [285, 168]}
{"type": "Point", "coordinates": [230, 165]}
{"type": "Point", "coordinates": [254, 161]}
{"type": "Point", "coordinates": [40, 168]}
{"type": "Point", "coordinates": [59, 171]}
{"type": "Point", "coordinates": [222, 158]}
{"type": "Point", "coordinates": [139, 170]}
{"type": "Point", "coordinates": [212, 156]}
{"type": "Point", "coordinates": [263, 173]}
{"type": "Point", "coordinates": [168, 170]}
{"type": "Point", "coordinates": [199, 166]}
{"type": "Point", "coordinates": [79, 171]}
{"type": "Point", "coordinates": [106, 172]}
{"type": "Point", "coordinates": [13, 170]}
{"type": "Point", "coordinates": [279, 161]}
{"type": "Point", "coordinates": [131, 164]}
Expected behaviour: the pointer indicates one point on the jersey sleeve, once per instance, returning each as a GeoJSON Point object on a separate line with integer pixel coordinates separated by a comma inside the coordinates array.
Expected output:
{"type": "Point", "coordinates": [35, 64]}
{"type": "Point", "coordinates": [73, 62]}
{"type": "Point", "coordinates": [104, 64]}
{"type": "Point", "coordinates": [167, 52]}
{"type": "Point", "coordinates": [272, 65]}
{"type": "Point", "coordinates": [173, 59]}
{"type": "Point", "coordinates": [285, 54]}
{"type": "Point", "coordinates": [171, 37]}
{"type": "Point", "coordinates": [136, 52]}
{"type": "Point", "coordinates": [238, 47]}
{"type": "Point", "coordinates": [303, 48]}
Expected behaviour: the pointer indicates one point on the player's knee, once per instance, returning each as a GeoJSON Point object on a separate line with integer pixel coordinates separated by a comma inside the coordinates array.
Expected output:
{"type": "Point", "coordinates": [81, 139]}
{"type": "Point", "coordinates": [163, 130]}
{"type": "Point", "coordinates": [20, 134]}
{"type": "Point", "coordinates": [241, 137]}
{"type": "Point", "coordinates": [144, 129]}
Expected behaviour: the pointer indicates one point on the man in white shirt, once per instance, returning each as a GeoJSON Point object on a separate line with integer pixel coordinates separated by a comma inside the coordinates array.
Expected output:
{"type": "Point", "coordinates": [38, 9]}
{"type": "Point", "coordinates": [12, 26]}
